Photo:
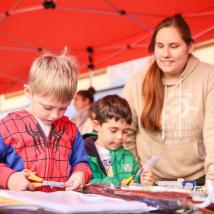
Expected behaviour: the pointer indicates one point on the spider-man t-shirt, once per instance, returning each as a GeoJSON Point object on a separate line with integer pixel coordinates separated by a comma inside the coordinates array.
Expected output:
{"type": "Point", "coordinates": [23, 145]}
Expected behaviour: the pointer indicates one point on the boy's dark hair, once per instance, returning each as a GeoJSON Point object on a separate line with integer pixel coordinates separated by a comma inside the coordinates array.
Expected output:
{"type": "Point", "coordinates": [111, 107]}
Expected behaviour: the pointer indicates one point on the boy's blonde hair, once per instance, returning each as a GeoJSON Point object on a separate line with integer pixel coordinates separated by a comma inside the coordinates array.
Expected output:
{"type": "Point", "coordinates": [54, 75]}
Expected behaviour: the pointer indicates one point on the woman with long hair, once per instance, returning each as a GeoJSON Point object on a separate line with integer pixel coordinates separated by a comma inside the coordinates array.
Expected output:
{"type": "Point", "coordinates": [172, 103]}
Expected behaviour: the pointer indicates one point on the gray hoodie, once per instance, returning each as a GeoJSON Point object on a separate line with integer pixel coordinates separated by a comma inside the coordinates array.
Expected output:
{"type": "Point", "coordinates": [186, 144]}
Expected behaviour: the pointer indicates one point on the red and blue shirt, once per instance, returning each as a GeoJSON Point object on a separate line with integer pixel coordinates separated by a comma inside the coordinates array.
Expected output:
{"type": "Point", "coordinates": [23, 145]}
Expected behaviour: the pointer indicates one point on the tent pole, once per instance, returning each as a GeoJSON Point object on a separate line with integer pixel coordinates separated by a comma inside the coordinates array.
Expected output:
{"type": "Point", "coordinates": [90, 51]}
{"type": "Point", "coordinates": [90, 74]}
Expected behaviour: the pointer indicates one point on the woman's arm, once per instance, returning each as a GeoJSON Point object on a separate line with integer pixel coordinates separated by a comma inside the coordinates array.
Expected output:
{"type": "Point", "coordinates": [208, 129]}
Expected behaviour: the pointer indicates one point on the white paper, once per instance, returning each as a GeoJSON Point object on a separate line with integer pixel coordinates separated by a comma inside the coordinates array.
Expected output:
{"type": "Point", "coordinates": [74, 202]}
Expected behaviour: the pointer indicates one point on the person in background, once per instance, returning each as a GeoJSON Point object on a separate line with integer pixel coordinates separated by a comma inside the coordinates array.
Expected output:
{"type": "Point", "coordinates": [172, 106]}
{"type": "Point", "coordinates": [82, 102]}
{"type": "Point", "coordinates": [42, 139]}
{"type": "Point", "coordinates": [110, 162]}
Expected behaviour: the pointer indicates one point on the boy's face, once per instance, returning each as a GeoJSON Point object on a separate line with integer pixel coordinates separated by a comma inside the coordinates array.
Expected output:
{"type": "Point", "coordinates": [112, 133]}
{"type": "Point", "coordinates": [47, 108]}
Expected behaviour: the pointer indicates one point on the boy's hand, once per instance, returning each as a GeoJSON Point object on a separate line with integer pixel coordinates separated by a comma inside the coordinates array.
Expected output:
{"type": "Point", "coordinates": [18, 181]}
{"type": "Point", "coordinates": [75, 182]}
{"type": "Point", "coordinates": [147, 177]}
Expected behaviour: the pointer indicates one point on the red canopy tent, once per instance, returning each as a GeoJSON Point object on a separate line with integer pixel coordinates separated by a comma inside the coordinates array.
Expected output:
{"type": "Point", "coordinates": [98, 32]}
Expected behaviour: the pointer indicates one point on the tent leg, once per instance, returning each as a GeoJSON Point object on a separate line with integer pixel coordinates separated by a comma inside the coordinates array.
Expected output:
{"type": "Point", "coordinates": [90, 74]}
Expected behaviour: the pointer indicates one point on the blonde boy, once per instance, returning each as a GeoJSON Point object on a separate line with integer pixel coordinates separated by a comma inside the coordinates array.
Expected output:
{"type": "Point", "coordinates": [42, 139]}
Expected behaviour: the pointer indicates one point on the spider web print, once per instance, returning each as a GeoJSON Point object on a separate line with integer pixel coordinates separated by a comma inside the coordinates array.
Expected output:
{"type": "Point", "coordinates": [39, 137]}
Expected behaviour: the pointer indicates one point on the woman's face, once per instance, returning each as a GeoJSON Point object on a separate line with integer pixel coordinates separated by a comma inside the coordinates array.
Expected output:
{"type": "Point", "coordinates": [171, 52]}
{"type": "Point", "coordinates": [80, 103]}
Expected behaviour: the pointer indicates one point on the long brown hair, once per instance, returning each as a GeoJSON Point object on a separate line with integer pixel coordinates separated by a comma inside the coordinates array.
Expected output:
{"type": "Point", "coordinates": [153, 88]}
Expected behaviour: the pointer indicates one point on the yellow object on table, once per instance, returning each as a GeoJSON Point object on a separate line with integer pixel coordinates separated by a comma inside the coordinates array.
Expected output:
{"type": "Point", "coordinates": [39, 182]}
{"type": "Point", "coordinates": [127, 181]}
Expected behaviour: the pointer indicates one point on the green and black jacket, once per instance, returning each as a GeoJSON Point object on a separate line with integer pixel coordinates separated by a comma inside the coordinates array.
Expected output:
{"type": "Point", "coordinates": [124, 164]}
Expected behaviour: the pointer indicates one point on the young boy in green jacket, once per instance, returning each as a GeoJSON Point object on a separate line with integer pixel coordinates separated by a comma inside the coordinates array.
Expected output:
{"type": "Point", "coordinates": [109, 161]}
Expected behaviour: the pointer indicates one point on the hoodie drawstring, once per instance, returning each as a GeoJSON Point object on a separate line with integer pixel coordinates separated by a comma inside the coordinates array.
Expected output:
{"type": "Point", "coordinates": [180, 111]}
{"type": "Point", "coordinates": [164, 112]}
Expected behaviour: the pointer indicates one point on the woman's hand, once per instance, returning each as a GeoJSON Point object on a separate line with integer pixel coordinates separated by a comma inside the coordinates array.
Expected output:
{"type": "Point", "coordinates": [147, 177]}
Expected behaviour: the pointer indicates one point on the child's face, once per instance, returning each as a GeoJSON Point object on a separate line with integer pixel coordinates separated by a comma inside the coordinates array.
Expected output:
{"type": "Point", "coordinates": [47, 109]}
{"type": "Point", "coordinates": [112, 133]}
